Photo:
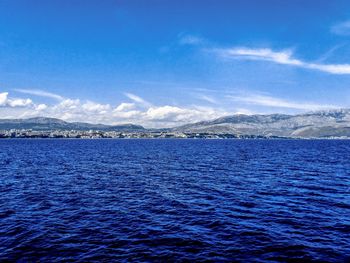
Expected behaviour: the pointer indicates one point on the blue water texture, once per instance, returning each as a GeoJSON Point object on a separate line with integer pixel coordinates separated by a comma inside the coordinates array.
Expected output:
{"type": "Point", "coordinates": [174, 200]}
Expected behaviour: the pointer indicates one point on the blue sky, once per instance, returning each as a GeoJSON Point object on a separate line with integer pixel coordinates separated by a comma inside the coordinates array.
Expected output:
{"type": "Point", "coordinates": [164, 63]}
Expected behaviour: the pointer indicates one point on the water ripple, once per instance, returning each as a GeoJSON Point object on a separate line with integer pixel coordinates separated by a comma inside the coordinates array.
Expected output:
{"type": "Point", "coordinates": [174, 200]}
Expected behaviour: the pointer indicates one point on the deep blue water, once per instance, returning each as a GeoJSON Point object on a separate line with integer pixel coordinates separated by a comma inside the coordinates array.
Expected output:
{"type": "Point", "coordinates": [174, 200]}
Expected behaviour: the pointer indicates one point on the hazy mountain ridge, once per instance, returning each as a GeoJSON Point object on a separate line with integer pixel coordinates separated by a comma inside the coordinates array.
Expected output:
{"type": "Point", "coordinates": [313, 124]}
{"type": "Point", "coordinates": [42, 123]}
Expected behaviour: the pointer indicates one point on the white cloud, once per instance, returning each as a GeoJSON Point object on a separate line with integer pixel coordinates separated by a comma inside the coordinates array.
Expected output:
{"type": "Point", "coordinates": [125, 106]}
{"type": "Point", "coordinates": [5, 101]}
{"type": "Point", "coordinates": [172, 115]}
{"type": "Point", "coordinates": [20, 102]}
{"type": "Point", "coordinates": [41, 107]}
{"type": "Point", "coordinates": [164, 113]}
{"type": "Point", "coordinates": [281, 57]}
{"type": "Point", "coordinates": [70, 104]}
{"type": "Point", "coordinates": [263, 100]}
{"type": "Point", "coordinates": [3, 98]}
{"type": "Point", "coordinates": [41, 93]}
{"type": "Point", "coordinates": [342, 28]}
{"type": "Point", "coordinates": [91, 106]}
{"type": "Point", "coordinates": [130, 116]}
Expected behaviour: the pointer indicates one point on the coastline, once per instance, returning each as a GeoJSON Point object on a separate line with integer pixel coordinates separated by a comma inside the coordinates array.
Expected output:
{"type": "Point", "coordinates": [177, 138]}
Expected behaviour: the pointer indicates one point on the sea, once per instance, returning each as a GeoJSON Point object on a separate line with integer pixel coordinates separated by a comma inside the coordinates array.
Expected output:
{"type": "Point", "coordinates": [174, 200]}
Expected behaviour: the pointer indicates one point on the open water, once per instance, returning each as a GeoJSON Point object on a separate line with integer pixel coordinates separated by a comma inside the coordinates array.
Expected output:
{"type": "Point", "coordinates": [174, 200]}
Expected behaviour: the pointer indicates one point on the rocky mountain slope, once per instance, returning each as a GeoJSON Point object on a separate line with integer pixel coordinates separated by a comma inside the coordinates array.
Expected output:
{"type": "Point", "coordinates": [314, 124]}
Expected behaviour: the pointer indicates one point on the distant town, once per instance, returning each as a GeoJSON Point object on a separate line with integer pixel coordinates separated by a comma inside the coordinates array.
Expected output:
{"type": "Point", "coordinates": [94, 134]}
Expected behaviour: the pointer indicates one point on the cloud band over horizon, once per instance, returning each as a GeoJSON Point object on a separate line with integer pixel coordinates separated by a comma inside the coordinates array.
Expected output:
{"type": "Point", "coordinates": [139, 111]}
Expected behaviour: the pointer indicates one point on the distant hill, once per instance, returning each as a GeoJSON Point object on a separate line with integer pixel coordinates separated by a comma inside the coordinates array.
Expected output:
{"type": "Point", "coordinates": [314, 124]}
{"type": "Point", "coordinates": [43, 124]}
{"type": "Point", "coordinates": [321, 124]}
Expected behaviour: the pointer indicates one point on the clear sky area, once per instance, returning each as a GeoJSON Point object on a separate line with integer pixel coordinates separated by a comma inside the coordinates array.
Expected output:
{"type": "Point", "coordinates": [165, 63]}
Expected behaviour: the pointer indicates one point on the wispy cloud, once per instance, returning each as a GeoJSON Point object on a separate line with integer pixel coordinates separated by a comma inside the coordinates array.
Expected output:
{"type": "Point", "coordinates": [284, 57]}
{"type": "Point", "coordinates": [134, 97]}
{"type": "Point", "coordinates": [329, 53]}
{"type": "Point", "coordinates": [342, 28]}
{"type": "Point", "coordinates": [206, 98]}
{"type": "Point", "coordinates": [269, 101]}
{"type": "Point", "coordinates": [40, 93]}
{"type": "Point", "coordinates": [137, 99]}
{"type": "Point", "coordinates": [190, 40]}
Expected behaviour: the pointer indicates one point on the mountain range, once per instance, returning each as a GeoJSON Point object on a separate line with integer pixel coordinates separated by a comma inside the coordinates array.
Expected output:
{"type": "Point", "coordinates": [320, 124]}
{"type": "Point", "coordinates": [45, 124]}
{"type": "Point", "coordinates": [314, 124]}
